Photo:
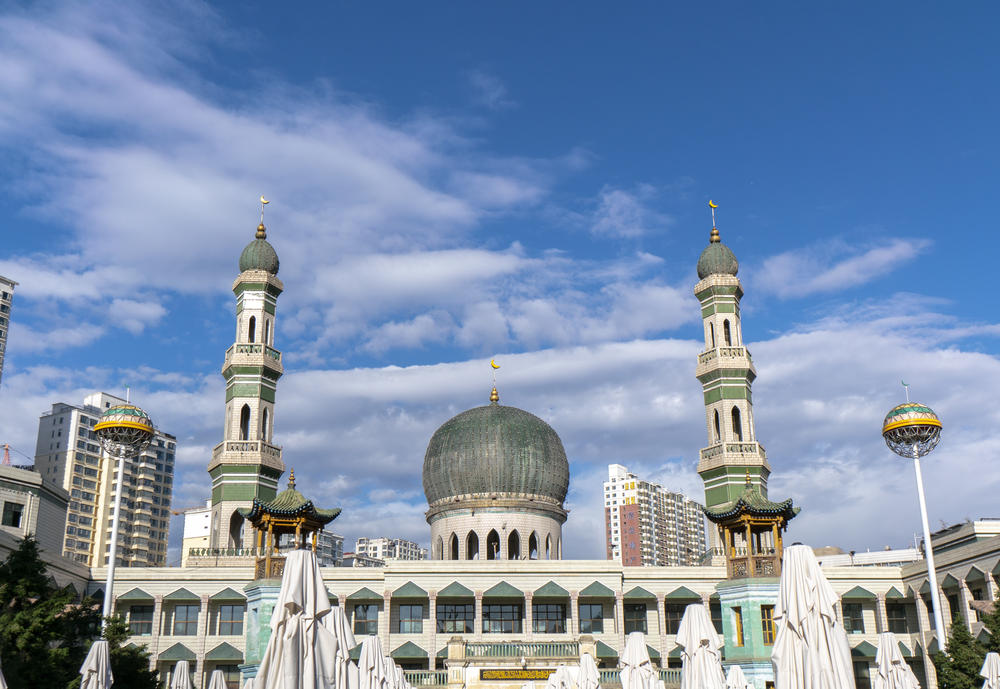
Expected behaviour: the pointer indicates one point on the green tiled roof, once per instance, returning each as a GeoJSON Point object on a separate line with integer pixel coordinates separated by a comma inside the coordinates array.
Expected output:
{"type": "Point", "coordinates": [355, 652]}
{"type": "Point", "coordinates": [228, 594]}
{"type": "Point", "coordinates": [409, 590]}
{"type": "Point", "coordinates": [259, 255]}
{"type": "Point", "coordinates": [455, 590]}
{"type": "Point", "coordinates": [653, 653]}
{"type": "Point", "coordinates": [364, 594]}
{"type": "Point", "coordinates": [717, 259]}
{"type": "Point", "coordinates": [495, 449]}
{"type": "Point", "coordinates": [135, 594]}
{"type": "Point", "coordinates": [181, 595]}
{"type": "Point", "coordinates": [639, 593]}
{"type": "Point", "coordinates": [605, 651]}
{"type": "Point", "coordinates": [859, 593]}
{"type": "Point", "coordinates": [503, 590]}
{"type": "Point", "coordinates": [409, 651]}
{"type": "Point", "coordinates": [225, 652]}
{"type": "Point", "coordinates": [926, 587]}
{"type": "Point", "coordinates": [893, 593]}
{"type": "Point", "coordinates": [864, 650]}
{"type": "Point", "coordinates": [675, 653]}
{"type": "Point", "coordinates": [443, 653]}
{"type": "Point", "coordinates": [905, 651]}
{"type": "Point", "coordinates": [682, 593]}
{"type": "Point", "coordinates": [597, 590]}
{"type": "Point", "coordinates": [177, 652]}
{"type": "Point", "coordinates": [751, 502]}
{"type": "Point", "coordinates": [289, 503]}
{"type": "Point", "coordinates": [551, 590]}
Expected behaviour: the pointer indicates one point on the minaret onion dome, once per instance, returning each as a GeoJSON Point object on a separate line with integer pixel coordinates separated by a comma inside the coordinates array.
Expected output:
{"type": "Point", "coordinates": [717, 258]}
{"type": "Point", "coordinates": [259, 254]}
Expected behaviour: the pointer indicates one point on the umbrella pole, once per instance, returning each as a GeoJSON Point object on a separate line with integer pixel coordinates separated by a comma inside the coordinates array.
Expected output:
{"type": "Point", "coordinates": [929, 552]}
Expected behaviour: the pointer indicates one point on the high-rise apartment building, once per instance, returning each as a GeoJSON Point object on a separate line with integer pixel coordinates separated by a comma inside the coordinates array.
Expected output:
{"type": "Point", "coordinates": [646, 524]}
{"type": "Point", "coordinates": [329, 549]}
{"type": "Point", "coordinates": [6, 296]}
{"type": "Point", "coordinates": [390, 549]}
{"type": "Point", "coordinates": [68, 454]}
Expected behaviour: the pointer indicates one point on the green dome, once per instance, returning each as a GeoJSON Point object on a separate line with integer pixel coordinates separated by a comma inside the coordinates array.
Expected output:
{"type": "Point", "coordinates": [259, 254]}
{"type": "Point", "coordinates": [717, 259]}
{"type": "Point", "coordinates": [495, 450]}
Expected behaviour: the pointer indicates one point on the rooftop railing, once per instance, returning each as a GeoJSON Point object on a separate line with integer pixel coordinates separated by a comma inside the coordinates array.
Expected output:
{"type": "Point", "coordinates": [518, 649]}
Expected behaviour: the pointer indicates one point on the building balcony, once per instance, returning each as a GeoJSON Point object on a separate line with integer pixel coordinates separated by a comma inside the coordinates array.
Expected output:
{"type": "Point", "coordinates": [252, 354]}
{"type": "Point", "coordinates": [724, 357]}
{"type": "Point", "coordinates": [246, 447]}
{"type": "Point", "coordinates": [740, 452]}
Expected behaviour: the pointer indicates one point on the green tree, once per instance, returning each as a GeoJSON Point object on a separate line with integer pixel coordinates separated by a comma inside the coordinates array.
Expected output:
{"type": "Point", "coordinates": [959, 669]}
{"type": "Point", "coordinates": [129, 664]}
{"type": "Point", "coordinates": [991, 620]}
{"type": "Point", "coordinates": [45, 631]}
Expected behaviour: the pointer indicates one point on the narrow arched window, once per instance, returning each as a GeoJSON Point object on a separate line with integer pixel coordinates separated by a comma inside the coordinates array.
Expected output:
{"type": "Point", "coordinates": [548, 547]}
{"type": "Point", "coordinates": [252, 330]}
{"type": "Point", "coordinates": [454, 547]}
{"type": "Point", "coordinates": [726, 333]}
{"type": "Point", "coordinates": [492, 545]}
{"type": "Point", "coordinates": [737, 425]}
{"type": "Point", "coordinates": [267, 331]}
{"type": "Point", "coordinates": [245, 422]}
{"type": "Point", "coordinates": [514, 546]}
{"type": "Point", "coordinates": [439, 549]}
{"type": "Point", "coordinates": [236, 530]}
{"type": "Point", "coordinates": [718, 431]}
{"type": "Point", "coordinates": [711, 331]}
{"type": "Point", "coordinates": [264, 434]}
{"type": "Point", "coordinates": [533, 546]}
{"type": "Point", "coordinates": [472, 546]}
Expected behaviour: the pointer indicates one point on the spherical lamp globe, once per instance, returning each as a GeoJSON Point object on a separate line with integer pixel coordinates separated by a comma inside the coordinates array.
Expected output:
{"type": "Point", "coordinates": [124, 429]}
{"type": "Point", "coordinates": [911, 430]}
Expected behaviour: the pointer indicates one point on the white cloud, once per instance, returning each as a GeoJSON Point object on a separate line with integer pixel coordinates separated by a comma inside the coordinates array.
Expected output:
{"type": "Point", "coordinates": [489, 91]}
{"type": "Point", "coordinates": [626, 214]}
{"type": "Point", "coordinates": [833, 266]}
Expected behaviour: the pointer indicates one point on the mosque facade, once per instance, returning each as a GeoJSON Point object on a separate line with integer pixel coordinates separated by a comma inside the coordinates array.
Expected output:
{"type": "Point", "coordinates": [496, 593]}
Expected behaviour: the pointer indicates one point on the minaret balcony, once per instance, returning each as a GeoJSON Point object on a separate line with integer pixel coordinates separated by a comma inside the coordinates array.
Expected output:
{"type": "Point", "coordinates": [251, 448]}
{"type": "Point", "coordinates": [751, 453]}
{"type": "Point", "coordinates": [247, 349]}
{"type": "Point", "coordinates": [724, 357]}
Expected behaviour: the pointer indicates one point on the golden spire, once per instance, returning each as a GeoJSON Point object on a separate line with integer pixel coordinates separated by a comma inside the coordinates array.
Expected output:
{"type": "Point", "coordinates": [714, 237]}
{"type": "Point", "coordinates": [494, 396]}
{"type": "Point", "coordinates": [749, 484]}
{"type": "Point", "coordinates": [291, 478]}
{"type": "Point", "coordinates": [261, 230]}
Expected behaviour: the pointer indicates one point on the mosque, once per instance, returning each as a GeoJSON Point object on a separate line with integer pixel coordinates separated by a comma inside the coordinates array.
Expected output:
{"type": "Point", "coordinates": [496, 604]}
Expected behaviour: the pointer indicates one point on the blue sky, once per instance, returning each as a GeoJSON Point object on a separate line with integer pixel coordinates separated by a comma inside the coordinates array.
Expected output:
{"type": "Point", "coordinates": [450, 184]}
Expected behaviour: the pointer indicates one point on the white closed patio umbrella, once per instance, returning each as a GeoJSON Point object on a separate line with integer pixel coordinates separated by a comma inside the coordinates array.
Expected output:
{"type": "Point", "coordinates": [590, 676]}
{"type": "Point", "coordinates": [372, 670]}
{"type": "Point", "coordinates": [217, 680]}
{"type": "Point", "coordinates": [338, 624]}
{"type": "Point", "coordinates": [637, 672]}
{"type": "Point", "coordinates": [810, 648]}
{"type": "Point", "coordinates": [700, 654]}
{"type": "Point", "coordinates": [96, 668]}
{"type": "Point", "coordinates": [301, 653]}
{"type": "Point", "coordinates": [3, 682]}
{"type": "Point", "coordinates": [891, 671]}
{"type": "Point", "coordinates": [736, 679]}
{"type": "Point", "coordinates": [991, 671]}
{"type": "Point", "coordinates": [181, 677]}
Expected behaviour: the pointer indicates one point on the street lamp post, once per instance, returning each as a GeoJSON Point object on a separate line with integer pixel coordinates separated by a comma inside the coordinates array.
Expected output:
{"type": "Point", "coordinates": [913, 430]}
{"type": "Point", "coordinates": [124, 431]}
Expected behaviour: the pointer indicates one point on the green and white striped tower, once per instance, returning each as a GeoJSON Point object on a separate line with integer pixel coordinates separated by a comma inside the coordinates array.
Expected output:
{"type": "Point", "coordinates": [733, 456]}
{"type": "Point", "coordinates": [246, 465]}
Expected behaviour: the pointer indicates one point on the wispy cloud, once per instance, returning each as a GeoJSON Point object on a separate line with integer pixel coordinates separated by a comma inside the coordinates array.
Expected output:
{"type": "Point", "coordinates": [489, 91]}
{"type": "Point", "coordinates": [626, 214]}
{"type": "Point", "coordinates": [834, 266]}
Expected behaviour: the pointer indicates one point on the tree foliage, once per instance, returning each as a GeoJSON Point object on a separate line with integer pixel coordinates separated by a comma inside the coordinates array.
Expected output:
{"type": "Point", "coordinates": [46, 632]}
{"type": "Point", "coordinates": [959, 669]}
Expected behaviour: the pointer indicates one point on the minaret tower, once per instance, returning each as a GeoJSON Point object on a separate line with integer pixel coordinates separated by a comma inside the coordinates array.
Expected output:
{"type": "Point", "coordinates": [246, 465]}
{"type": "Point", "coordinates": [733, 456]}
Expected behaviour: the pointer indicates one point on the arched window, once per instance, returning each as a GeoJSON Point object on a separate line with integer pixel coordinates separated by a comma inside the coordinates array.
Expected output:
{"type": "Point", "coordinates": [711, 331]}
{"type": "Point", "coordinates": [533, 546]}
{"type": "Point", "coordinates": [472, 546]}
{"type": "Point", "coordinates": [559, 548]}
{"type": "Point", "coordinates": [548, 547]}
{"type": "Point", "coordinates": [267, 331]}
{"type": "Point", "coordinates": [236, 530]}
{"type": "Point", "coordinates": [245, 422]}
{"type": "Point", "coordinates": [493, 545]}
{"type": "Point", "coordinates": [514, 546]}
{"type": "Point", "coordinates": [737, 426]}
{"type": "Point", "coordinates": [252, 329]}
{"type": "Point", "coordinates": [718, 431]}
{"type": "Point", "coordinates": [454, 547]}
{"type": "Point", "coordinates": [726, 333]}
{"type": "Point", "coordinates": [264, 434]}
{"type": "Point", "coordinates": [439, 549]}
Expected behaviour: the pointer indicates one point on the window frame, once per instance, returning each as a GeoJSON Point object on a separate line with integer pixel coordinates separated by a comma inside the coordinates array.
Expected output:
{"type": "Point", "coordinates": [548, 618]}
{"type": "Point", "coordinates": [739, 638]}
{"type": "Point", "coordinates": [136, 626]}
{"type": "Point", "coordinates": [898, 623]}
{"type": "Point", "coordinates": [589, 624]}
{"type": "Point", "coordinates": [767, 624]}
{"type": "Point", "coordinates": [411, 624]}
{"type": "Point", "coordinates": [630, 622]}
{"type": "Point", "coordinates": [230, 622]}
{"type": "Point", "coordinates": [455, 618]}
{"type": "Point", "coordinates": [367, 624]}
{"type": "Point", "coordinates": [503, 618]}
{"type": "Point", "coordinates": [673, 613]}
{"type": "Point", "coordinates": [853, 623]}
{"type": "Point", "coordinates": [187, 623]}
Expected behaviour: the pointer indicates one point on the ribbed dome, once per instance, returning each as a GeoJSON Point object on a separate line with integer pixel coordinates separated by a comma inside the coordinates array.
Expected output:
{"type": "Point", "coordinates": [495, 450]}
{"type": "Point", "coordinates": [259, 254]}
{"type": "Point", "coordinates": [717, 259]}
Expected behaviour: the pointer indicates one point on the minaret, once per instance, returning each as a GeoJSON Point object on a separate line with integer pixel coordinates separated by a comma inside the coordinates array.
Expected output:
{"type": "Point", "coordinates": [733, 456]}
{"type": "Point", "coordinates": [246, 465]}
